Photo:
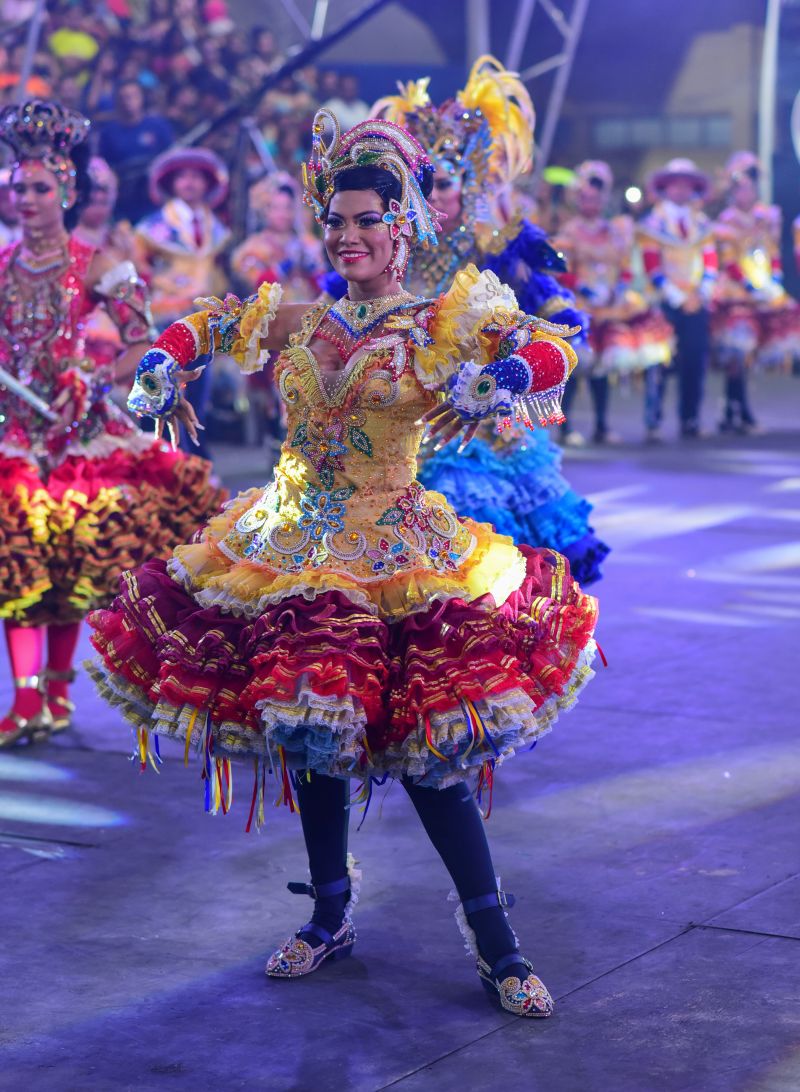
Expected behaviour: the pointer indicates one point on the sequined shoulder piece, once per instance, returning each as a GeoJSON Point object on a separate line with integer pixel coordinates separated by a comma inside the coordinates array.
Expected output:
{"type": "Point", "coordinates": [309, 323]}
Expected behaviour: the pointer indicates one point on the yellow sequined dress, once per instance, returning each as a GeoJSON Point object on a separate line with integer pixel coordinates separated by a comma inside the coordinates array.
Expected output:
{"type": "Point", "coordinates": [344, 619]}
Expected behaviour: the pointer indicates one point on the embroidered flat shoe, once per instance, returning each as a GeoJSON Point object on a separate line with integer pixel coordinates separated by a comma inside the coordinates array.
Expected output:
{"type": "Point", "coordinates": [522, 997]}
{"type": "Point", "coordinates": [297, 957]}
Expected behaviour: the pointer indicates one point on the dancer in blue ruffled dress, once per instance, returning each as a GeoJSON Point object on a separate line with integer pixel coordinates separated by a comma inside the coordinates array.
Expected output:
{"type": "Point", "coordinates": [480, 142]}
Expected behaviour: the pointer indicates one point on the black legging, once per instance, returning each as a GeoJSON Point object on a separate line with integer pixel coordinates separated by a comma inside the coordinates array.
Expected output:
{"type": "Point", "coordinates": [599, 393]}
{"type": "Point", "coordinates": [453, 824]}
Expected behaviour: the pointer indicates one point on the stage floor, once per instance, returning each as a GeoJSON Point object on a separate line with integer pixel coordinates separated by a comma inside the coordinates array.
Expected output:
{"type": "Point", "coordinates": [652, 841]}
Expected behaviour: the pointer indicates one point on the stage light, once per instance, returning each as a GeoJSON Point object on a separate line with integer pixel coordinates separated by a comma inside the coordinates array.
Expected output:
{"type": "Point", "coordinates": [55, 812]}
{"type": "Point", "coordinates": [633, 195]}
{"type": "Point", "coordinates": [17, 768]}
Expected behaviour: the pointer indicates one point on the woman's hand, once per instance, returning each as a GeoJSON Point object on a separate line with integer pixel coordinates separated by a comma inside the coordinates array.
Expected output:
{"type": "Point", "coordinates": [183, 412]}
{"type": "Point", "coordinates": [444, 422]}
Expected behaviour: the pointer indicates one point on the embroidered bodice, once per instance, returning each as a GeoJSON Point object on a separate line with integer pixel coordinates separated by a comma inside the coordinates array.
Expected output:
{"type": "Point", "coordinates": [681, 235]}
{"type": "Point", "coordinates": [598, 255]}
{"type": "Point", "coordinates": [42, 344]}
{"type": "Point", "coordinates": [749, 243]}
{"type": "Point", "coordinates": [344, 508]}
{"type": "Point", "coordinates": [345, 492]}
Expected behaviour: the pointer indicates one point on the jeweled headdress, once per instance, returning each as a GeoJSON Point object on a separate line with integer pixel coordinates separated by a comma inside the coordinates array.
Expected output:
{"type": "Point", "coordinates": [484, 136]}
{"type": "Point", "coordinates": [374, 143]}
{"type": "Point", "coordinates": [44, 131]}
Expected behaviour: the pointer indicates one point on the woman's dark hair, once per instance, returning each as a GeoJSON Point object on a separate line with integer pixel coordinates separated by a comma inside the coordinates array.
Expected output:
{"type": "Point", "coordinates": [381, 181]}
{"type": "Point", "coordinates": [80, 155]}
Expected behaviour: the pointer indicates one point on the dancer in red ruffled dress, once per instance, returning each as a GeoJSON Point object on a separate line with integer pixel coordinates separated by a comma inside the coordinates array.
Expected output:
{"type": "Point", "coordinates": [343, 622]}
{"type": "Point", "coordinates": [754, 323]}
{"type": "Point", "coordinates": [84, 494]}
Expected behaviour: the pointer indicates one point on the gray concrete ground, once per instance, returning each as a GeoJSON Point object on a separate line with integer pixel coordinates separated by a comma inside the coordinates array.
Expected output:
{"type": "Point", "coordinates": [653, 843]}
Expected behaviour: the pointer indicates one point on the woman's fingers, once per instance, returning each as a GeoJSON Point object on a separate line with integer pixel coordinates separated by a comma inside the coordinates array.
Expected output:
{"type": "Point", "coordinates": [189, 376]}
{"type": "Point", "coordinates": [186, 415]}
{"type": "Point", "coordinates": [432, 414]}
{"type": "Point", "coordinates": [446, 422]}
{"type": "Point", "coordinates": [174, 433]}
{"type": "Point", "coordinates": [473, 428]}
{"type": "Point", "coordinates": [448, 435]}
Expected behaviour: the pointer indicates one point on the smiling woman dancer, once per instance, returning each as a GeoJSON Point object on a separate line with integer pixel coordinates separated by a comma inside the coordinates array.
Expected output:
{"type": "Point", "coordinates": [343, 622]}
{"type": "Point", "coordinates": [84, 494]}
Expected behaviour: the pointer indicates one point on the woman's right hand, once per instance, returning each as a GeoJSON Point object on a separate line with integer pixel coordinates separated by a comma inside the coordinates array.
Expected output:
{"type": "Point", "coordinates": [183, 413]}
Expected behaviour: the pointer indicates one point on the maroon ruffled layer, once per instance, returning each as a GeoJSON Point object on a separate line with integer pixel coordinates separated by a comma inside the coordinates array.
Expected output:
{"type": "Point", "coordinates": [162, 647]}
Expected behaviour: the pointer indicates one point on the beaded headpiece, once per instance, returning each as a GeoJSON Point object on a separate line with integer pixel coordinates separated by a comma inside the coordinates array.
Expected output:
{"type": "Point", "coordinates": [483, 137]}
{"type": "Point", "coordinates": [595, 173]}
{"type": "Point", "coordinates": [742, 165]}
{"type": "Point", "coordinates": [44, 131]}
{"type": "Point", "coordinates": [374, 143]}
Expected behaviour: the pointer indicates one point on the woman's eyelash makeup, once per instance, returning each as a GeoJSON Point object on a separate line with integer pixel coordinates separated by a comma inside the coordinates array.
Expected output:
{"type": "Point", "coordinates": [364, 222]}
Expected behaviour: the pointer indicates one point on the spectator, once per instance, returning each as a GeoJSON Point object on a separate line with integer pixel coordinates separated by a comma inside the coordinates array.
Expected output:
{"type": "Point", "coordinates": [217, 18]}
{"type": "Point", "coordinates": [237, 46]}
{"type": "Point", "coordinates": [183, 109]}
{"type": "Point", "coordinates": [288, 150]}
{"type": "Point", "coordinates": [72, 44]}
{"type": "Point", "coordinates": [98, 99]}
{"type": "Point", "coordinates": [284, 250]}
{"type": "Point", "coordinates": [69, 92]}
{"type": "Point", "coordinates": [266, 47]}
{"type": "Point", "coordinates": [328, 85]}
{"type": "Point", "coordinates": [129, 144]}
{"type": "Point", "coordinates": [211, 66]}
{"type": "Point", "coordinates": [179, 246]}
{"type": "Point", "coordinates": [11, 61]}
{"type": "Point", "coordinates": [348, 107]}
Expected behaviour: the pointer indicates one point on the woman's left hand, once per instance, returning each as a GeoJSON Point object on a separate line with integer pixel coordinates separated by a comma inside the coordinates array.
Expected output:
{"type": "Point", "coordinates": [445, 423]}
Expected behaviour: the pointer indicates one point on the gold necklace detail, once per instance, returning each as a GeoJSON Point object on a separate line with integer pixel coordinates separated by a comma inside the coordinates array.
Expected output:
{"type": "Point", "coordinates": [362, 315]}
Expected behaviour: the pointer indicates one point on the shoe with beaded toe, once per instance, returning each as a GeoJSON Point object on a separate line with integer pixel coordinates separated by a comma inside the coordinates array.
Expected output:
{"type": "Point", "coordinates": [299, 955]}
{"type": "Point", "coordinates": [521, 996]}
{"type": "Point", "coordinates": [510, 978]}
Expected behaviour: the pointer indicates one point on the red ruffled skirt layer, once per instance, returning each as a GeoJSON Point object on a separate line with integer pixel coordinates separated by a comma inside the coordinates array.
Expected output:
{"type": "Point", "coordinates": [65, 539]}
{"type": "Point", "coordinates": [633, 345]}
{"type": "Point", "coordinates": [769, 337]}
{"type": "Point", "coordinates": [326, 685]}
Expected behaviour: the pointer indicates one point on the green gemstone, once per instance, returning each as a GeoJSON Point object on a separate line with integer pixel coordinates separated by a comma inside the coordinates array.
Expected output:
{"type": "Point", "coordinates": [361, 311]}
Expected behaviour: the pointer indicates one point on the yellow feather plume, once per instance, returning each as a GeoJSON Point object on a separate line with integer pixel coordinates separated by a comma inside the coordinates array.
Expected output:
{"type": "Point", "coordinates": [413, 96]}
{"type": "Point", "coordinates": [504, 101]}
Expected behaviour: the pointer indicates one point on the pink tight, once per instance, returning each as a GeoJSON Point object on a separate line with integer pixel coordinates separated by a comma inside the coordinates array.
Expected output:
{"type": "Point", "coordinates": [26, 645]}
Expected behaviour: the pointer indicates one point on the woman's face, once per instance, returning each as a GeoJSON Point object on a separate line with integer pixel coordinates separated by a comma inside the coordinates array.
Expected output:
{"type": "Point", "coordinates": [37, 198]}
{"type": "Point", "coordinates": [745, 193]}
{"type": "Point", "coordinates": [279, 214]}
{"type": "Point", "coordinates": [356, 238]}
{"type": "Point", "coordinates": [446, 199]}
{"type": "Point", "coordinates": [590, 200]}
{"type": "Point", "coordinates": [100, 205]}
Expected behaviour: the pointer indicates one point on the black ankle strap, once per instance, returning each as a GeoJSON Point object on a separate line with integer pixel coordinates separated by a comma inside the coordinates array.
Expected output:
{"type": "Point", "coordinates": [320, 890]}
{"type": "Point", "coordinates": [486, 902]}
{"type": "Point", "coordinates": [317, 931]}
{"type": "Point", "coordinates": [507, 961]}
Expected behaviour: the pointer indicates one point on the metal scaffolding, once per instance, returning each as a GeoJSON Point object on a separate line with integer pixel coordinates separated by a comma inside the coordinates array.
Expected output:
{"type": "Point", "coordinates": [569, 24]}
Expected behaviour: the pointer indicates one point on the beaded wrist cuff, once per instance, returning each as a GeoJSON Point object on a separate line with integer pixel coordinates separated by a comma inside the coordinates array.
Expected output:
{"type": "Point", "coordinates": [154, 392]}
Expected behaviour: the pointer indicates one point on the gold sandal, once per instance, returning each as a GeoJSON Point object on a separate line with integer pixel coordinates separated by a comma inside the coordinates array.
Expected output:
{"type": "Point", "coordinates": [62, 718]}
{"type": "Point", "coordinates": [35, 729]}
